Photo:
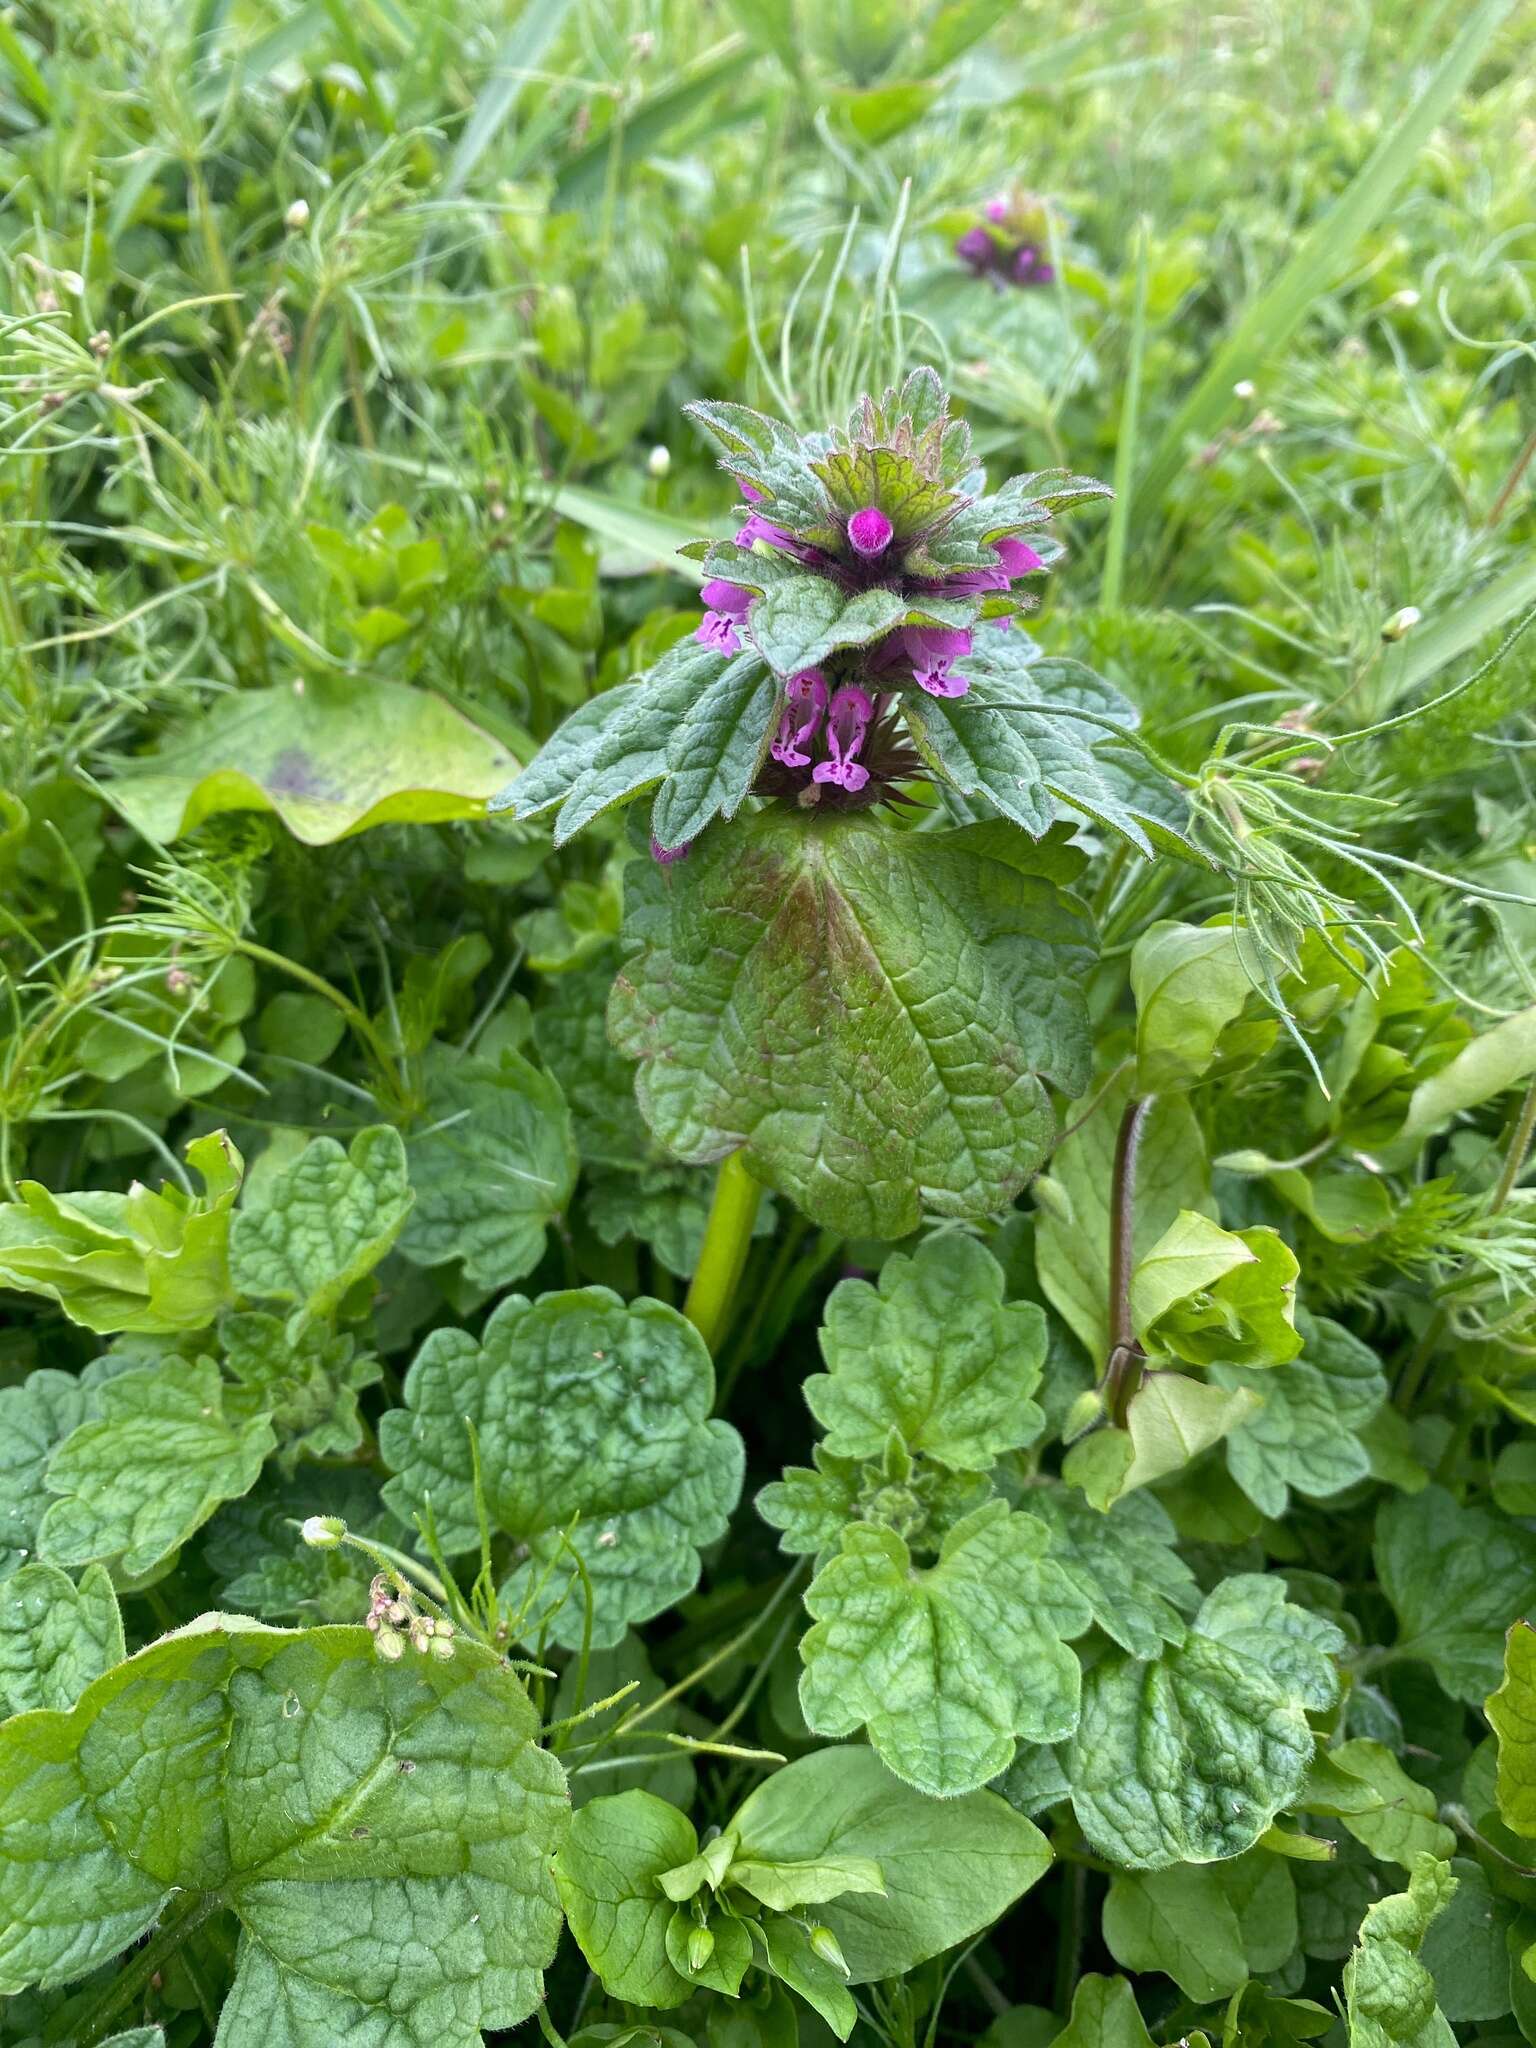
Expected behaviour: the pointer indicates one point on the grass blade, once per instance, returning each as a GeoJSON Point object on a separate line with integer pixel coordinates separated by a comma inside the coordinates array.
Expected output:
{"type": "Point", "coordinates": [535, 29]}
{"type": "Point", "coordinates": [1125, 444]}
{"type": "Point", "coordinates": [1322, 255]}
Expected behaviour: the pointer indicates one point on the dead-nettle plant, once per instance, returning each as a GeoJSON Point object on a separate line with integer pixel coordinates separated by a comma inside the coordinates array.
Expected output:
{"type": "Point", "coordinates": [843, 996]}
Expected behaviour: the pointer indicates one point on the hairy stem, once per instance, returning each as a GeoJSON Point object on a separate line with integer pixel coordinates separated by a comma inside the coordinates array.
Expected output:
{"type": "Point", "coordinates": [1122, 1372]}
{"type": "Point", "coordinates": [727, 1236]}
{"type": "Point", "coordinates": [187, 1911]}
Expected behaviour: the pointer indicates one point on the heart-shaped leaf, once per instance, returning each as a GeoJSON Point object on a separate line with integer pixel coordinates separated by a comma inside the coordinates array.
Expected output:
{"type": "Point", "coordinates": [867, 1012]}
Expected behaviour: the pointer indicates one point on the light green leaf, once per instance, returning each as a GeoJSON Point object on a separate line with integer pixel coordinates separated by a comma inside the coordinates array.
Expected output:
{"type": "Point", "coordinates": [1401, 1825]}
{"type": "Point", "coordinates": [1491, 1063]}
{"type": "Point", "coordinates": [1458, 1578]}
{"type": "Point", "coordinates": [1072, 1236]}
{"type": "Point", "coordinates": [1211, 1296]}
{"type": "Point", "coordinates": [35, 1418]}
{"type": "Point", "coordinates": [492, 1164]}
{"type": "Point", "coordinates": [1189, 1759]}
{"type": "Point", "coordinates": [1306, 1433]}
{"type": "Point", "coordinates": [785, 1948]}
{"type": "Point", "coordinates": [934, 1353]}
{"type": "Point", "coordinates": [1389, 1994]}
{"type": "Point", "coordinates": [866, 1013]}
{"type": "Point", "coordinates": [306, 1382]}
{"type": "Point", "coordinates": [1123, 1563]}
{"type": "Point", "coordinates": [153, 1264]}
{"type": "Point", "coordinates": [715, 751]}
{"type": "Point", "coordinates": [1104, 2015]}
{"type": "Point", "coordinates": [608, 1872]}
{"type": "Point", "coordinates": [944, 1666]}
{"type": "Point", "coordinates": [331, 755]}
{"type": "Point", "coordinates": [584, 1407]}
{"type": "Point", "coordinates": [570, 1029]}
{"type": "Point", "coordinates": [382, 1831]}
{"type": "Point", "coordinates": [1170, 1421]}
{"type": "Point", "coordinates": [1190, 983]}
{"type": "Point", "coordinates": [55, 1636]}
{"type": "Point", "coordinates": [163, 1450]}
{"type": "Point", "coordinates": [1512, 1714]}
{"type": "Point", "coordinates": [311, 1231]}
{"type": "Point", "coordinates": [1177, 1921]}
{"type": "Point", "coordinates": [949, 1868]}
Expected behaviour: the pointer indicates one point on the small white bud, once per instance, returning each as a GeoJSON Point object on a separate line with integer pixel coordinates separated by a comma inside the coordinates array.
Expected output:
{"type": "Point", "coordinates": [323, 1532]}
{"type": "Point", "coordinates": [1401, 623]}
{"type": "Point", "coordinates": [659, 461]}
{"type": "Point", "coordinates": [297, 216]}
{"type": "Point", "coordinates": [1244, 389]}
{"type": "Point", "coordinates": [1405, 300]}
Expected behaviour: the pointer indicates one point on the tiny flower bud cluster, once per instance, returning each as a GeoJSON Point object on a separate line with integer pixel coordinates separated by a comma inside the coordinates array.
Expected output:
{"type": "Point", "coordinates": [394, 1620]}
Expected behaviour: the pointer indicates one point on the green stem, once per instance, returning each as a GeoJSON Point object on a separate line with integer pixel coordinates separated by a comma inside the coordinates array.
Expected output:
{"type": "Point", "coordinates": [727, 1236]}
{"type": "Point", "coordinates": [1069, 1944]}
{"type": "Point", "coordinates": [186, 1913]}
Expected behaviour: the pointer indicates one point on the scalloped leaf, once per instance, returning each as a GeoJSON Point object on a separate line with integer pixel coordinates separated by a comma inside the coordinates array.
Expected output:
{"type": "Point", "coordinates": [492, 1163]}
{"type": "Point", "coordinates": [715, 751]}
{"type": "Point", "coordinates": [1389, 1993]}
{"type": "Point", "coordinates": [1458, 1578]}
{"type": "Point", "coordinates": [55, 1636]}
{"type": "Point", "coordinates": [310, 1231]}
{"type": "Point", "coordinates": [934, 1353]}
{"type": "Point", "coordinates": [1307, 1434]}
{"type": "Point", "coordinates": [166, 1446]}
{"type": "Point", "coordinates": [944, 1666]}
{"type": "Point", "coordinates": [582, 1407]}
{"type": "Point", "coordinates": [1189, 1759]}
{"type": "Point", "coordinates": [804, 618]}
{"type": "Point", "coordinates": [1123, 1562]}
{"type": "Point", "coordinates": [382, 1831]}
{"type": "Point", "coordinates": [867, 1013]}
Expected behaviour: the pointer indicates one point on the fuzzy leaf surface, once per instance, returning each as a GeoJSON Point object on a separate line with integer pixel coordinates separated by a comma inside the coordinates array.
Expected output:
{"type": "Point", "coordinates": [165, 1447]}
{"type": "Point", "coordinates": [946, 1666]}
{"type": "Point", "coordinates": [867, 1013]}
{"type": "Point", "coordinates": [1458, 1578]}
{"type": "Point", "coordinates": [1306, 1435]}
{"type": "Point", "coordinates": [309, 1232]}
{"type": "Point", "coordinates": [581, 1406]}
{"type": "Point", "coordinates": [492, 1163]}
{"type": "Point", "coordinates": [55, 1636]}
{"type": "Point", "coordinates": [382, 1831]}
{"type": "Point", "coordinates": [1190, 1758]}
{"type": "Point", "coordinates": [934, 1353]}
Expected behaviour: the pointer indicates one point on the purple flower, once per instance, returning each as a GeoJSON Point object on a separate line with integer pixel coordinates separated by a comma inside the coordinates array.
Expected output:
{"type": "Point", "coordinates": [805, 699]}
{"type": "Point", "coordinates": [997, 209]}
{"type": "Point", "coordinates": [931, 649]}
{"type": "Point", "coordinates": [666, 855]}
{"type": "Point", "coordinates": [750, 492]}
{"type": "Point", "coordinates": [1017, 557]}
{"type": "Point", "coordinates": [869, 532]}
{"type": "Point", "coordinates": [1025, 263]}
{"type": "Point", "coordinates": [757, 528]}
{"type": "Point", "coordinates": [728, 604]}
{"type": "Point", "coordinates": [848, 717]}
{"type": "Point", "coordinates": [975, 247]}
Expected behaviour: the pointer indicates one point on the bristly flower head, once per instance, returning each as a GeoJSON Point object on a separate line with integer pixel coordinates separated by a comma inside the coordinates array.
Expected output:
{"type": "Point", "coordinates": [855, 639]}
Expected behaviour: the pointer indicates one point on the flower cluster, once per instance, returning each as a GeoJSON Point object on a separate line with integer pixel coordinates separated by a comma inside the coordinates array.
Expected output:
{"type": "Point", "coordinates": [1010, 246]}
{"type": "Point", "coordinates": [394, 1620]}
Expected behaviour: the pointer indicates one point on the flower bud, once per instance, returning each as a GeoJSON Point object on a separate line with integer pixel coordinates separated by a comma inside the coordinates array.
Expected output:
{"type": "Point", "coordinates": [659, 461]}
{"type": "Point", "coordinates": [442, 1647]}
{"type": "Point", "coordinates": [701, 1946]}
{"type": "Point", "coordinates": [390, 1645]}
{"type": "Point", "coordinates": [825, 1944]}
{"type": "Point", "coordinates": [297, 216]}
{"type": "Point", "coordinates": [1244, 388]}
{"type": "Point", "coordinates": [1401, 623]}
{"type": "Point", "coordinates": [869, 532]}
{"type": "Point", "coordinates": [323, 1532]}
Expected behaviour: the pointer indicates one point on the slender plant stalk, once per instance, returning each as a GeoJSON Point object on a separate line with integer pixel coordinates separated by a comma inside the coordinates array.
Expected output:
{"type": "Point", "coordinates": [1122, 1373]}
{"type": "Point", "coordinates": [1125, 446]}
{"type": "Point", "coordinates": [727, 1237]}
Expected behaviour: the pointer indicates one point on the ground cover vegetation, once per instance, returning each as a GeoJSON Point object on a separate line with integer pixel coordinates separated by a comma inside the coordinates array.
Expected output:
{"type": "Point", "coordinates": [768, 1061]}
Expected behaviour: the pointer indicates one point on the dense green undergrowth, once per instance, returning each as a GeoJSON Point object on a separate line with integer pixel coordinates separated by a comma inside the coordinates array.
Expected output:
{"type": "Point", "coordinates": [768, 1061]}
